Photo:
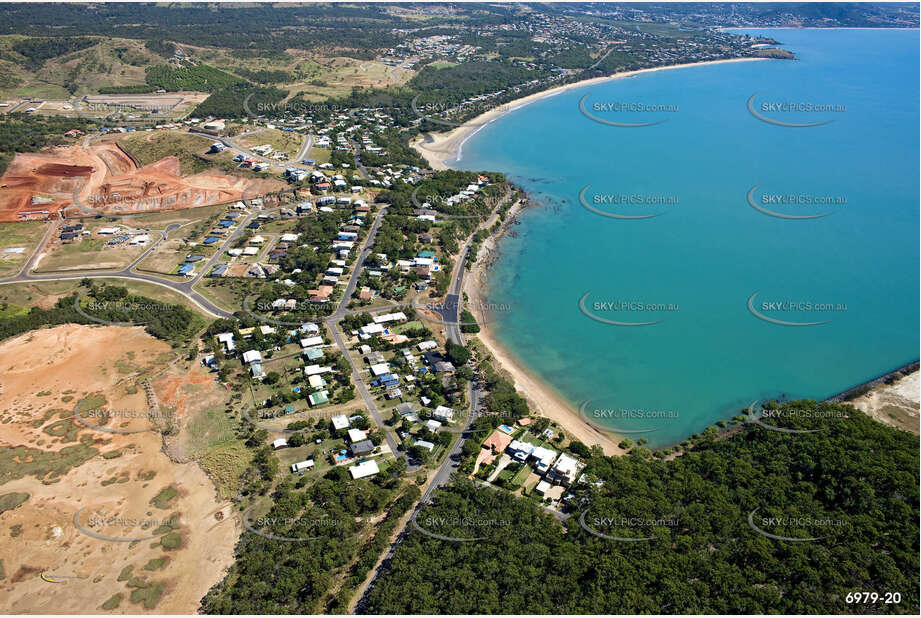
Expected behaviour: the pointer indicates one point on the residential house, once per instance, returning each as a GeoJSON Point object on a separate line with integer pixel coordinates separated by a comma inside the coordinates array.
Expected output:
{"type": "Point", "coordinates": [365, 468]}
{"type": "Point", "coordinates": [252, 356]}
{"type": "Point", "coordinates": [565, 470]}
{"type": "Point", "coordinates": [361, 448]}
{"type": "Point", "coordinates": [444, 414]}
{"type": "Point", "coordinates": [318, 398]}
{"type": "Point", "coordinates": [307, 464]}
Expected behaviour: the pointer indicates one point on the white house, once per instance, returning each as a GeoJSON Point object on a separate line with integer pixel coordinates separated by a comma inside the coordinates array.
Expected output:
{"type": "Point", "coordinates": [390, 317]}
{"type": "Point", "coordinates": [543, 459]}
{"type": "Point", "coordinates": [312, 370]}
{"type": "Point", "coordinates": [444, 414]}
{"type": "Point", "coordinates": [370, 330]}
{"type": "Point", "coordinates": [310, 328]}
{"type": "Point", "coordinates": [307, 464]}
{"type": "Point", "coordinates": [252, 356]}
{"type": "Point", "coordinates": [357, 435]}
{"type": "Point", "coordinates": [309, 342]}
{"type": "Point", "coordinates": [565, 470]}
{"type": "Point", "coordinates": [316, 382]}
{"type": "Point", "coordinates": [380, 369]}
{"type": "Point", "coordinates": [366, 468]}
{"type": "Point", "coordinates": [520, 450]}
{"type": "Point", "coordinates": [279, 443]}
{"type": "Point", "coordinates": [340, 421]}
{"type": "Point", "coordinates": [226, 339]}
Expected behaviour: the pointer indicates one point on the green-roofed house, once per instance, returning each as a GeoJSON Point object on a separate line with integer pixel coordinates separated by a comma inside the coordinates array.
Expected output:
{"type": "Point", "coordinates": [318, 398]}
{"type": "Point", "coordinates": [313, 353]}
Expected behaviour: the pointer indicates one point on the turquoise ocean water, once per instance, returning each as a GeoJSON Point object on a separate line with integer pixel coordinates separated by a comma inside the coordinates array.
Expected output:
{"type": "Point", "coordinates": [694, 268]}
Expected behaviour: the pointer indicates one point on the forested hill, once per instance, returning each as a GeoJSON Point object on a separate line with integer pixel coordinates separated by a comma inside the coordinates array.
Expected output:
{"type": "Point", "coordinates": [852, 486]}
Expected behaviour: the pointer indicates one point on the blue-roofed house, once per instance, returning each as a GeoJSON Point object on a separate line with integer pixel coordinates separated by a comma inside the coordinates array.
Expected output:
{"type": "Point", "coordinates": [211, 240]}
{"type": "Point", "coordinates": [388, 379]}
{"type": "Point", "coordinates": [186, 269]}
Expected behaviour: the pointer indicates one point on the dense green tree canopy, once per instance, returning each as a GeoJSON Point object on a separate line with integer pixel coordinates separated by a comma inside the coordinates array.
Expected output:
{"type": "Point", "coordinates": [854, 483]}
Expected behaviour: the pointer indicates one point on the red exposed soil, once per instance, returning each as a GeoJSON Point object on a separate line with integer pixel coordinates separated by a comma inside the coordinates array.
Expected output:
{"type": "Point", "coordinates": [59, 169]}
{"type": "Point", "coordinates": [106, 179]}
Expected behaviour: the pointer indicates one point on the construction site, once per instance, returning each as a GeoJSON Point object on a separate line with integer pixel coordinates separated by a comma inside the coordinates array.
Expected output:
{"type": "Point", "coordinates": [100, 177]}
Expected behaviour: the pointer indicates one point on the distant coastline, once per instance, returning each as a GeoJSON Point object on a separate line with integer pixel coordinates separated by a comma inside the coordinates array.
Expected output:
{"type": "Point", "coordinates": [437, 148]}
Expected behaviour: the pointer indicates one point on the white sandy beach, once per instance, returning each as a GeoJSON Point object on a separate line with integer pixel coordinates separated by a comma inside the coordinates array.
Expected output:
{"type": "Point", "coordinates": [540, 396]}
{"type": "Point", "coordinates": [441, 147]}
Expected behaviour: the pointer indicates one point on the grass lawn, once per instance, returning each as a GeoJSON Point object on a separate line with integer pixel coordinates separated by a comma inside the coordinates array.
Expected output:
{"type": "Point", "coordinates": [318, 452]}
{"type": "Point", "coordinates": [150, 147]}
{"type": "Point", "coordinates": [24, 234]}
{"type": "Point", "coordinates": [165, 257]}
{"type": "Point", "coordinates": [187, 215]}
{"type": "Point", "coordinates": [320, 155]}
{"type": "Point", "coordinates": [25, 295]}
{"type": "Point", "coordinates": [284, 141]}
{"type": "Point", "coordinates": [227, 294]}
{"type": "Point", "coordinates": [402, 328]}
{"type": "Point", "coordinates": [520, 476]}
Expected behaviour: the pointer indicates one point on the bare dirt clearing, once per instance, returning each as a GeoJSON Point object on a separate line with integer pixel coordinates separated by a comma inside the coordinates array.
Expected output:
{"type": "Point", "coordinates": [122, 484]}
{"type": "Point", "coordinates": [105, 178]}
{"type": "Point", "coordinates": [895, 404]}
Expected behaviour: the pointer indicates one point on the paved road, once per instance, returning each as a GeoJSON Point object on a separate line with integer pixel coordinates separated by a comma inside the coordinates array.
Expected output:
{"type": "Point", "coordinates": [341, 311]}
{"type": "Point", "coordinates": [239, 231]}
{"type": "Point", "coordinates": [359, 263]}
{"type": "Point", "coordinates": [305, 149]}
{"type": "Point", "coordinates": [30, 263]}
{"type": "Point", "coordinates": [450, 313]}
{"type": "Point", "coordinates": [450, 310]}
{"type": "Point", "coordinates": [356, 150]}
